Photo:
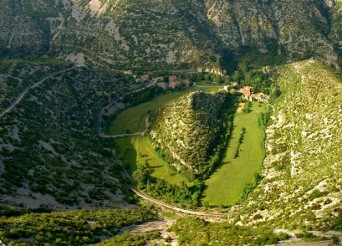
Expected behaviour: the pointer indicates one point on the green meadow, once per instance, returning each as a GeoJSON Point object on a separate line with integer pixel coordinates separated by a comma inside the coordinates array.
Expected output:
{"type": "Point", "coordinates": [133, 119]}
{"type": "Point", "coordinates": [137, 150]}
{"type": "Point", "coordinates": [225, 186]}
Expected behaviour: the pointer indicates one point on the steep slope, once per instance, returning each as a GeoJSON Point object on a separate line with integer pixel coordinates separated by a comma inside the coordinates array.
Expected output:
{"type": "Point", "coordinates": [191, 131]}
{"type": "Point", "coordinates": [335, 34]}
{"type": "Point", "coordinates": [134, 33]}
{"type": "Point", "coordinates": [303, 168]}
{"type": "Point", "coordinates": [25, 27]}
{"type": "Point", "coordinates": [300, 193]}
{"type": "Point", "coordinates": [49, 151]}
{"type": "Point", "coordinates": [159, 34]}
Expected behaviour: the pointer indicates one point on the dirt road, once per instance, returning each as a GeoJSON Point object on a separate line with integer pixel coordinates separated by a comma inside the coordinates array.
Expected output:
{"type": "Point", "coordinates": [185, 211]}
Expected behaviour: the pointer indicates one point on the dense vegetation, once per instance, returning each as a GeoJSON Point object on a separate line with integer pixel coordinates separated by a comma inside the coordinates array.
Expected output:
{"type": "Point", "coordinates": [192, 231]}
{"type": "Point", "coordinates": [48, 144]}
{"type": "Point", "coordinates": [303, 134]}
{"type": "Point", "coordinates": [191, 132]}
{"type": "Point", "coordinates": [151, 35]}
{"type": "Point", "coordinates": [80, 227]}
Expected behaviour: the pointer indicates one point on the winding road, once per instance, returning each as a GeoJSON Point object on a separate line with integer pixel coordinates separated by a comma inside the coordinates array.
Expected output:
{"type": "Point", "coordinates": [185, 211]}
{"type": "Point", "coordinates": [23, 93]}
{"type": "Point", "coordinates": [142, 133]}
{"type": "Point", "coordinates": [101, 113]}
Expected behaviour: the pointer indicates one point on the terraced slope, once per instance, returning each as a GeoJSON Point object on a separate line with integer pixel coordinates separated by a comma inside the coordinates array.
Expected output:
{"type": "Point", "coordinates": [191, 131]}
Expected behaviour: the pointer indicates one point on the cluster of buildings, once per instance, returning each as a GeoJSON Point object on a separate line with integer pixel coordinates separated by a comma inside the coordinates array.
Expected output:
{"type": "Point", "coordinates": [246, 92]}
{"type": "Point", "coordinates": [174, 82]}
{"type": "Point", "coordinates": [171, 82]}
{"type": "Point", "coordinates": [211, 70]}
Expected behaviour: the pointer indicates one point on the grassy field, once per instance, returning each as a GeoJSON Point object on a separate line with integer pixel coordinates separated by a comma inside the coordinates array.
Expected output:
{"type": "Point", "coordinates": [133, 119]}
{"type": "Point", "coordinates": [135, 150]}
{"type": "Point", "coordinates": [226, 184]}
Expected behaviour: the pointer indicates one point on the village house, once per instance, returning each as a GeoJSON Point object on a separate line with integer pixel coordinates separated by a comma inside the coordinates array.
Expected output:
{"type": "Point", "coordinates": [211, 70]}
{"type": "Point", "coordinates": [186, 82]}
{"type": "Point", "coordinates": [173, 84]}
{"type": "Point", "coordinates": [260, 97]}
{"type": "Point", "coordinates": [173, 79]}
{"type": "Point", "coordinates": [247, 94]}
{"type": "Point", "coordinates": [162, 85]}
{"type": "Point", "coordinates": [158, 79]}
{"type": "Point", "coordinates": [235, 85]}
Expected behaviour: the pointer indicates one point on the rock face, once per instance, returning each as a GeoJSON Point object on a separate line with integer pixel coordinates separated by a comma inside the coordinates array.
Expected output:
{"type": "Point", "coordinates": [148, 34]}
{"type": "Point", "coordinates": [190, 131]}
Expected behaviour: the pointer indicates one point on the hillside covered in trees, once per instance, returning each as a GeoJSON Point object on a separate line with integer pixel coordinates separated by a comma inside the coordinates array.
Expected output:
{"type": "Point", "coordinates": [191, 131]}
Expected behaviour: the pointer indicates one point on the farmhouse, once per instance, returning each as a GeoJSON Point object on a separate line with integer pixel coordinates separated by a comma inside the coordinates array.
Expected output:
{"type": "Point", "coordinates": [174, 84]}
{"type": "Point", "coordinates": [162, 85]}
{"type": "Point", "coordinates": [260, 97]}
{"type": "Point", "coordinates": [246, 91]}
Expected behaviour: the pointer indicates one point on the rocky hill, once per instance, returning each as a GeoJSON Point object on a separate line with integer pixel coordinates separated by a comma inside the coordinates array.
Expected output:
{"type": "Point", "coordinates": [302, 170]}
{"type": "Point", "coordinates": [164, 33]}
{"type": "Point", "coordinates": [299, 196]}
{"type": "Point", "coordinates": [190, 131]}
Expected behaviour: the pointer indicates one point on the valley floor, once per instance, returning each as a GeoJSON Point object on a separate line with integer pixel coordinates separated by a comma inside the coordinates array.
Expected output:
{"type": "Point", "coordinates": [225, 186]}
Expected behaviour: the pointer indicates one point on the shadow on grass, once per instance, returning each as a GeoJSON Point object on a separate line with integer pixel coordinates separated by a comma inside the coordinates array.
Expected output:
{"type": "Point", "coordinates": [127, 153]}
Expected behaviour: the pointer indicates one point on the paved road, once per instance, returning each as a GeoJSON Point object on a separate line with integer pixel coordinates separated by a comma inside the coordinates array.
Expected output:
{"type": "Point", "coordinates": [23, 93]}
{"type": "Point", "coordinates": [185, 211]}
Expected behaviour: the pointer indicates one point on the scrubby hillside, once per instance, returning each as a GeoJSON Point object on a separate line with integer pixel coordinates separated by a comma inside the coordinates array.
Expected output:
{"type": "Point", "coordinates": [300, 193]}
{"type": "Point", "coordinates": [303, 167]}
{"type": "Point", "coordinates": [190, 131]}
{"type": "Point", "coordinates": [49, 151]}
{"type": "Point", "coordinates": [154, 33]}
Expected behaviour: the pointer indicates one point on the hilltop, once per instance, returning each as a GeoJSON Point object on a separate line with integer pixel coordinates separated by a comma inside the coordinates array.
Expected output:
{"type": "Point", "coordinates": [191, 131]}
